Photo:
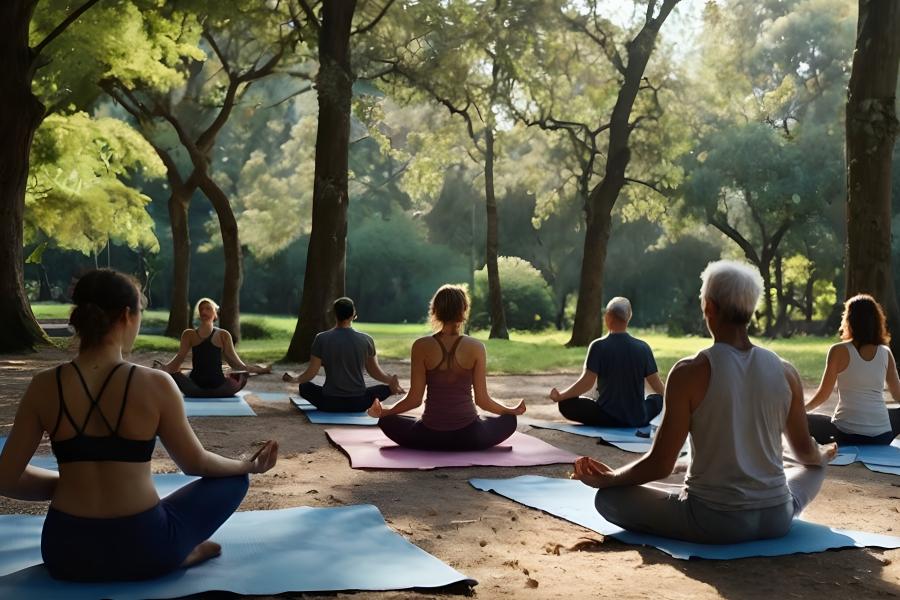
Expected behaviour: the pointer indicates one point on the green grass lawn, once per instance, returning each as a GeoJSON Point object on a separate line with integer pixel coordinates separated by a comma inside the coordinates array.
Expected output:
{"type": "Point", "coordinates": [524, 353]}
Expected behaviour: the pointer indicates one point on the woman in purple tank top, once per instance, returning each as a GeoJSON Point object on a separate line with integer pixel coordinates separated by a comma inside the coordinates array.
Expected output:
{"type": "Point", "coordinates": [449, 366]}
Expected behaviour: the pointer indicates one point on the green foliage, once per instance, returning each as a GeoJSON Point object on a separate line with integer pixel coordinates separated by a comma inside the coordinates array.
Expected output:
{"type": "Point", "coordinates": [78, 196]}
{"type": "Point", "coordinates": [527, 299]}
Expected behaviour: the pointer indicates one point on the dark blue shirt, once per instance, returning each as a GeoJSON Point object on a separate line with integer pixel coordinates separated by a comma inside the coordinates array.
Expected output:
{"type": "Point", "coordinates": [621, 363]}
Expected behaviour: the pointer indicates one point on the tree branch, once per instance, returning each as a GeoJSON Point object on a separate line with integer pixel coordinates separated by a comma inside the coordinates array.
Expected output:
{"type": "Point", "coordinates": [374, 22]}
{"type": "Point", "coordinates": [73, 16]}
{"type": "Point", "coordinates": [652, 186]}
{"type": "Point", "coordinates": [733, 234]}
{"type": "Point", "coordinates": [310, 15]}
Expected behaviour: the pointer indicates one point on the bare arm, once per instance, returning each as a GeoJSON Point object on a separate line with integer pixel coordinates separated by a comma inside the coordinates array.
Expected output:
{"type": "Point", "coordinates": [186, 450]}
{"type": "Point", "coordinates": [174, 365]}
{"type": "Point", "coordinates": [585, 383]}
{"type": "Point", "coordinates": [837, 361]}
{"type": "Point", "coordinates": [479, 382]}
{"type": "Point", "coordinates": [656, 384]}
{"type": "Point", "coordinates": [312, 369]}
{"type": "Point", "coordinates": [374, 369]}
{"type": "Point", "coordinates": [232, 358]}
{"type": "Point", "coordinates": [892, 379]}
{"type": "Point", "coordinates": [18, 479]}
{"type": "Point", "coordinates": [416, 392]}
{"type": "Point", "coordinates": [796, 430]}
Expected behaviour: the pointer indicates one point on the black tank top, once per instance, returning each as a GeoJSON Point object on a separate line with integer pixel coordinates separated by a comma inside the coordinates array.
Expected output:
{"type": "Point", "coordinates": [85, 447]}
{"type": "Point", "coordinates": [207, 363]}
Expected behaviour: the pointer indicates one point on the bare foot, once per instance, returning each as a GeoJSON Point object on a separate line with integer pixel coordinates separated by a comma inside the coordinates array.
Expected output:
{"type": "Point", "coordinates": [203, 551]}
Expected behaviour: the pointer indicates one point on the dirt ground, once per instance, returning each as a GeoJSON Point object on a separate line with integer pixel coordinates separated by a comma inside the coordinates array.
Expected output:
{"type": "Point", "coordinates": [513, 551]}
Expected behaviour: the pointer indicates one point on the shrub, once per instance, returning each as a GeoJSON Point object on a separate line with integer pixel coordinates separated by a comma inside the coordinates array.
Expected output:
{"type": "Point", "coordinates": [527, 298]}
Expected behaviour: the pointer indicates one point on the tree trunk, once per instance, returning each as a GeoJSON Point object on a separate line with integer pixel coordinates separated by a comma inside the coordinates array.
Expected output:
{"type": "Point", "coordinates": [45, 294]}
{"type": "Point", "coordinates": [230, 311]}
{"type": "Point", "coordinates": [20, 115]}
{"type": "Point", "coordinates": [598, 210]}
{"type": "Point", "coordinates": [765, 270]}
{"type": "Point", "coordinates": [324, 277]}
{"type": "Point", "coordinates": [495, 293]}
{"type": "Point", "coordinates": [871, 125]}
{"type": "Point", "coordinates": [180, 307]}
{"type": "Point", "coordinates": [808, 298]}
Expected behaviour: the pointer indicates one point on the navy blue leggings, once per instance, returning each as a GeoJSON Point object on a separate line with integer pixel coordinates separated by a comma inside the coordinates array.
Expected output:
{"type": "Point", "coordinates": [825, 432]}
{"type": "Point", "coordinates": [312, 393]}
{"type": "Point", "coordinates": [481, 434]}
{"type": "Point", "coordinates": [587, 411]}
{"type": "Point", "coordinates": [234, 382]}
{"type": "Point", "coordinates": [141, 546]}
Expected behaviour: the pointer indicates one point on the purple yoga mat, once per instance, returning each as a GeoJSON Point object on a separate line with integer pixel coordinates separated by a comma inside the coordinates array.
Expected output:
{"type": "Point", "coordinates": [371, 449]}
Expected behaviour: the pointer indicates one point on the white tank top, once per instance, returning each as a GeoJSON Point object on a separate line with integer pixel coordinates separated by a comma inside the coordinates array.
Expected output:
{"type": "Point", "coordinates": [735, 433]}
{"type": "Point", "coordinates": [861, 408]}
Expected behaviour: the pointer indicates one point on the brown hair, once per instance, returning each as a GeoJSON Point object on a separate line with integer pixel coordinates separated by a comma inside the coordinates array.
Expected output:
{"type": "Point", "coordinates": [450, 304]}
{"type": "Point", "coordinates": [101, 296]}
{"type": "Point", "coordinates": [863, 322]}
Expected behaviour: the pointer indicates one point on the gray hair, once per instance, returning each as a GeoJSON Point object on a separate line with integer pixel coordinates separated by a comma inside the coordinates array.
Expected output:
{"type": "Point", "coordinates": [620, 308]}
{"type": "Point", "coordinates": [734, 286]}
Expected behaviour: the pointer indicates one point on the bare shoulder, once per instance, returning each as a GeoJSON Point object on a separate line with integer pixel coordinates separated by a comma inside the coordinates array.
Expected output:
{"type": "Point", "coordinates": [837, 350]}
{"type": "Point", "coordinates": [44, 381]}
{"type": "Point", "coordinates": [472, 343]}
{"type": "Point", "coordinates": [691, 367]}
{"type": "Point", "coordinates": [189, 335]}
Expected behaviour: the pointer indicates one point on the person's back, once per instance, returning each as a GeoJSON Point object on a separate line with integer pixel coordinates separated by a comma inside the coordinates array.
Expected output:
{"type": "Point", "coordinates": [861, 409]}
{"type": "Point", "coordinates": [735, 432]}
{"type": "Point", "coordinates": [448, 403]}
{"type": "Point", "coordinates": [622, 363]}
{"type": "Point", "coordinates": [343, 351]}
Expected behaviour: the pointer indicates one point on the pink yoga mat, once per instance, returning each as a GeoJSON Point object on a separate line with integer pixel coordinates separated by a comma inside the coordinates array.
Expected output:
{"type": "Point", "coordinates": [371, 449]}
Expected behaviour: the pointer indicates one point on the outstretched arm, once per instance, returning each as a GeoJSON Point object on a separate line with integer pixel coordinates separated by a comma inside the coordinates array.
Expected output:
{"type": "Point", "coordinates": [374, 369]}
{"type": "Point", "coordinates": [18, 479]}
{"type": "Point", "coordinates": [482, 399]}
{"type": "Point", "coordinates": [585, 383]}
{"type": "Point", "coordinates": [656, 384]}
{"type": "Point", "coordinates": [837, 361]}
{"type": "Point", "coordinates": [806, 449]}
{"type": "Point", "coordinates": [232, 358]}
{"type": "Point", "coordinates": [174, 365]}
{"type": "Point", "coordinates": [312, 369]}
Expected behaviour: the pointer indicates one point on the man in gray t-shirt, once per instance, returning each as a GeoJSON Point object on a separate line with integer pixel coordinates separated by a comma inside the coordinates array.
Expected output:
{"type": "Point", "coordinates": [345, 353]}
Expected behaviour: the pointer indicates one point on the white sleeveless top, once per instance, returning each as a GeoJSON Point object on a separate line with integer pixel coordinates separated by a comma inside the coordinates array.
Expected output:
{"type": "Point", "coordinates": [735, 433]}
{"type": "Point", "coordinates": [861, 408]}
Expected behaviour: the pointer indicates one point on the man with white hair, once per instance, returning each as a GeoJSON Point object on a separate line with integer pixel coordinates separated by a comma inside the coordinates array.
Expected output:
{"type": "Point", "coordinates": [735, 400]}
{"type": "Point", "coordinates": [619, 365]}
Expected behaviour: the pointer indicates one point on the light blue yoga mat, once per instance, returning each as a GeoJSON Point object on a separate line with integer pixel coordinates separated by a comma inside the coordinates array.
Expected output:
{"type": "Point", "coordinates": [235, 398]}
{"type": "Point", "coordinates": [217, 407]}
{"type": "Point", "coordinates": [263, 553]}
{"type": "Point", "coordinates": [320, 417]}
{"type": "Point", "coordinates": [573, 501]}
{"type": "Point", "coordinates": [623, 438]}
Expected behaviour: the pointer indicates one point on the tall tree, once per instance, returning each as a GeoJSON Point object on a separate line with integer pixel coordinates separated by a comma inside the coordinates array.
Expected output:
{"type": "Point", "coordinates": [21, 113]}
{"type": "Point", "coordinates": [871, 126]}
{"type": "Point", "coordinates": [324, 277]}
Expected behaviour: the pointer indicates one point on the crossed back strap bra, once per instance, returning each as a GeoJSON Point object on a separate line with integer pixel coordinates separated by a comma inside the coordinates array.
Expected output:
{"type": "Point", "coordinates": [83, 447]}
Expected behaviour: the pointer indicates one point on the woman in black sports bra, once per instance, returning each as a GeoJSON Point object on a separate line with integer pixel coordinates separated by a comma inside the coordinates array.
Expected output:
{"type": "Point", "coordinates": [207, 344]}
{"type": "Point", "coordinates": [105, 521]}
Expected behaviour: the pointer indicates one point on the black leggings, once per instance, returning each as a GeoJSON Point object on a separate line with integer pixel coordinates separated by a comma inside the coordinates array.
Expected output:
{"type": "Point", "coordinates": [821, 428]}
{"type": "Point", "coordinates": [481, 434]}
{"type": "Point", "coordinates": [312, 393]}
{"type": "Point", "coordinates": [234, 382]}
{"type": "Point", "coordinates": [587, 411]}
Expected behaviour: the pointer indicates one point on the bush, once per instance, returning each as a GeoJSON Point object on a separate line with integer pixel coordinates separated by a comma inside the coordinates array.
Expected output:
{"type": "Point", "coordinates": [527, 298]}
{"type": "Point", "coordinates": [256, 330]}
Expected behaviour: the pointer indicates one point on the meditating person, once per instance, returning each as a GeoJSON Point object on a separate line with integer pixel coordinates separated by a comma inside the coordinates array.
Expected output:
{"type": "Point", "coordinates": [735, 400]}
{"type": "Point", "coordinates": [207, 344]}
{"type": "Point", "coordinates": [860, 365]}
{"type": "Point", "coordinates": [618, 364]}
{"type": "Point", "coordinates": [345, 353]}
{"type": "Point", "coordinates": [102, 414]}
{"type": "Point", "coordinates": [448, 365]}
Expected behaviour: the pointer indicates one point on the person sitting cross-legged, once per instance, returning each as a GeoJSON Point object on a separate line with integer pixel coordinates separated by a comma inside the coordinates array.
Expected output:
{"type": "Point", "coordinates": [735, 400]}
{"type": "Point", "coordinates": [345, 353]}
{"type": "Point", "coordinates": [618, 364]}
{"type": "Point", "coordinates": [449, 365]}
{"type": "Point", "coordinates": [207, 344]}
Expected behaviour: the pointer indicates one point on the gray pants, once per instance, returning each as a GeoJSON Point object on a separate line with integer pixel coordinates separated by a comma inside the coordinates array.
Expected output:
{"type": "Point", "coordinates": [659, 509]}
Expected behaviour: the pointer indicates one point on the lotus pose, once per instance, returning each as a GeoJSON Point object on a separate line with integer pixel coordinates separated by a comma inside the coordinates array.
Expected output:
{"type": "Point", "coordinates": [735, 400]}
{"type": "Point", "coordinates": [207, 344]}
{"type": "Point", "coordinates": [102, 413]}
{"type": "Point", "coordinates": [861, 365]}
{"type": "Point", "coordinates": [449, 365]}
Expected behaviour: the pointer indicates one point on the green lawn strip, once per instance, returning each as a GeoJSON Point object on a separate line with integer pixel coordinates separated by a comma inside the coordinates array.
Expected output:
{"type": "Point", "coordinates": [524, 353]}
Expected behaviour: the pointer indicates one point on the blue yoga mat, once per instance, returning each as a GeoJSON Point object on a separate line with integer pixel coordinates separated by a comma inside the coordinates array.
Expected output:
{"type": "Point", "coordinates": [883, 469]}
{"type": "Point", "coordinates": [217, 407]}
{"type": "Point", "coordinates": [263, 553]}
{"type": "Point", "coordinates": [573, 501]}
{"type": "Point", "coordinates": [623, 438]}
{"type": "Point", "coordinates": [320, 417]}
